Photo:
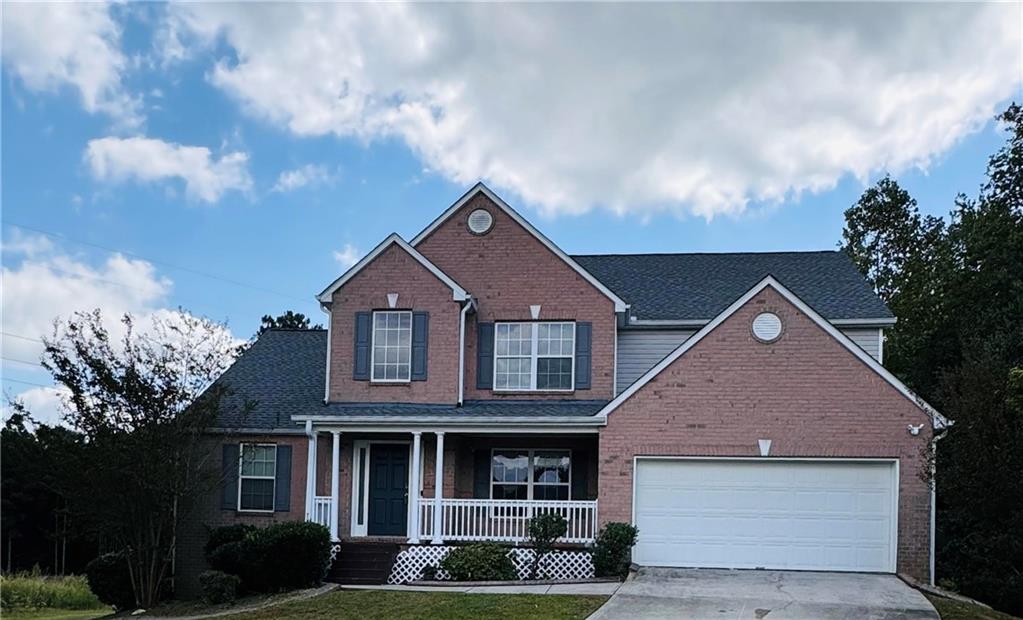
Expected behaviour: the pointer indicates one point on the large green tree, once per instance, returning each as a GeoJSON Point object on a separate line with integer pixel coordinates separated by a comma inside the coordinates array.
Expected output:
{"type": "Point", "coordinates": [957, 290]}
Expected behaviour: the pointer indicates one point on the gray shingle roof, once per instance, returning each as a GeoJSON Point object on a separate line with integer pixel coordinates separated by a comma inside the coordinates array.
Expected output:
{"type": "Point", "coordinates": [699, 286]}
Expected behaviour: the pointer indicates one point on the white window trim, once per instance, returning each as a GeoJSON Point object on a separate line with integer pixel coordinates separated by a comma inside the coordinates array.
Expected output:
{"type": "Point", "coordinates": [373, 347]}
{"type": "Point", "coordinates": [530, 483]}
{"type": "Point", "coordinates": [241, 477]}
{"type": "Point", "coordinates": [535, 356]}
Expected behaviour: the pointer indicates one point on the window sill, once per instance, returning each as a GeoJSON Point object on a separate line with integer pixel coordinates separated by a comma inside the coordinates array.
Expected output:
{"type": "Point", "coordinates": [390, 383]}
{"type": "Point", "coordinates": [257, 513]}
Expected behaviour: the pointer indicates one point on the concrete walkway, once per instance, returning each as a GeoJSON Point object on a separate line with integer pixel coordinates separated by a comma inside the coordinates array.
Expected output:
{"type": "Point", "coordinates": [597, 589]}
{"type": "Point", "coordinates": [678, 594]}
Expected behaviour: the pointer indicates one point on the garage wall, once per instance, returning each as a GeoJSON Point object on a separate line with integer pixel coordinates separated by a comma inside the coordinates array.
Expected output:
{"type": "Point", "coordinates": [805, 392]}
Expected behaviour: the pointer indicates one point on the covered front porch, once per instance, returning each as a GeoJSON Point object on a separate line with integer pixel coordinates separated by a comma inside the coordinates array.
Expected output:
{"type": "Point", "coordinates": [435, 486]}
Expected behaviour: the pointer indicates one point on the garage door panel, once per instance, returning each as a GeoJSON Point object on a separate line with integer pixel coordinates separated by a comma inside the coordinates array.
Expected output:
{"type": "Point", "coordinates": [810, 515]}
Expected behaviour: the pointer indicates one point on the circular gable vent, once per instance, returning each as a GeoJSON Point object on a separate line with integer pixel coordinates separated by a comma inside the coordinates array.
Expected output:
{"type": "Point", "coordinates": [767, 327]}
{"type": "Point", "coordinates": [480, 221]}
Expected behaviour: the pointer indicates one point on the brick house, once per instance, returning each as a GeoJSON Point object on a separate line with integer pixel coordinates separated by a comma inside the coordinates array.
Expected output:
{"type": "Point", "coordinates": [733, 406]}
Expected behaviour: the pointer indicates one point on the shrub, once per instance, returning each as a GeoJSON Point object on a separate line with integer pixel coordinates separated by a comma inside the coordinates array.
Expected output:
{"type": "Point", "coordinates": [227, 534]}
{"type": "Point", "coordinates": [544, 531]}
{"type": "Point", "coordinates": [110, 581]}
{"type": "Point", "coordinates": [218, 587]}
{"type": "Point", "coordinates": [286, 555]}
{"type": "Point", "coordinates": [479, 562]}
{"type": "Point", "coordinates": [612, 551]}
{"type": "Point", "coordinates": [34, 591]}
{"type": "Point", "coordinates": [229, 557]}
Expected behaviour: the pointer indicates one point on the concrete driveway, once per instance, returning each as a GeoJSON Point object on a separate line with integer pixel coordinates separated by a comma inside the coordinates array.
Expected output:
{"type": "Point", "coordinates": [764, 595]}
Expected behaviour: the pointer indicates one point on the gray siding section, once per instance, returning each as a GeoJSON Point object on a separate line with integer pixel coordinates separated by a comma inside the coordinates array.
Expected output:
{"type": "Point", "coordinates": [866, 337]}
{"type": "Point", "coordinates": [640, 350]}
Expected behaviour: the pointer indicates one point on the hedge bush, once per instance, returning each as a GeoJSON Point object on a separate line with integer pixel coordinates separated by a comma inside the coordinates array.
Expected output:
{"type": "Point", "coordinates": [227, 534]}
{"type": "Point", "coordinates": [612, 551]}
{"type": "Point", "coordinates": [544, 532]}
{"type": "Point", "coordinates": [277, 557]}
{"type": "Point", "coordinates": [479, 562]}
{"type": "Point", "coordinates": [110, 581]}
{"type": "Point", "coordinates": [218, 587]}
{"type": "Point", "coordinates": [35, 591]}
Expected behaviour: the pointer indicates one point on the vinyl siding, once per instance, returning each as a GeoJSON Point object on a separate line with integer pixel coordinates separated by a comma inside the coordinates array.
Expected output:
{"type": "Point", "coordinates": [640, 350]}
{"type": "Point", "coordinates": [866, 338]}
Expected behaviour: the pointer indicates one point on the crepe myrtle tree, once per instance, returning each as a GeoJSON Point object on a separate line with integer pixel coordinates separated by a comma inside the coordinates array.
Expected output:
{"type": "Point", "coordinates": [143, 406]}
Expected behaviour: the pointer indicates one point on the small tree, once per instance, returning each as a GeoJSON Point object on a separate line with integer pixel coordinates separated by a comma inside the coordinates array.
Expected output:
{"type": "Point", "coordinates": [544, 531]}
{"type": "Point", "coordinates": [143, 409]}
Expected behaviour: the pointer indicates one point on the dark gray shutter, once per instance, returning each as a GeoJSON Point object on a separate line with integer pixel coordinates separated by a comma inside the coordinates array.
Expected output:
{"type": "Point", "coordinates": [420, 337]}
{"type": "Point", "coordinates": [583, 355]}
{"type": "Point", "coordinates": [282, 488]}
{"type": "Point", "coordinates": [363, 338]}
{"type": "Point", "coordinates": [481, 474]}
{"type": "Point", "coordinates": [229, 466]}
{"type": "Point", "coordinates": [580, 477]}
{"type": "Point", "coordinates": [485, 356]}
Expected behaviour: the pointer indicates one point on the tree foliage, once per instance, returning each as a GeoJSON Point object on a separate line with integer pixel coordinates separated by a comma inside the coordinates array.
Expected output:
{"type": "Point", "coordinates": [288, 320]}
{"type": "Point", "coordinates": [142, 407]}
{"type": "Point", "coordinates": [957, 290]}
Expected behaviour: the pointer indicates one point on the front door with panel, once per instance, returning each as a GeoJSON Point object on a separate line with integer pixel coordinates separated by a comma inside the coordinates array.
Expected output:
{"type": "Point", "coordinates": [388, 490]}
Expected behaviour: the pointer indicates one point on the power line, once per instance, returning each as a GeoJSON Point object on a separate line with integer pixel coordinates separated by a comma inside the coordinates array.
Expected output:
{"type": "Point", "coordinates": [154, 261]}
{"type": "Point", "coordinates": [17, 361]}
{"type": "Point", "coordinates": [20, 337]}
{"type": "Point", "coordinates": [28, 383]}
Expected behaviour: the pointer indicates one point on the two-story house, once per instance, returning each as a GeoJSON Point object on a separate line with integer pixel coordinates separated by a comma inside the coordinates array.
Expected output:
{"type": "Point", "coordinates": [733, 406]}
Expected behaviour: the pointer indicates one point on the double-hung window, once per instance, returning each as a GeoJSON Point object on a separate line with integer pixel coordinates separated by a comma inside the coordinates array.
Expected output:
{"type": "Point", "coordinates": [530, 474]}
{"type": "Point", "coordinates": [534, 356]}
{"type": "Point", "coordinates": [257, 477]}
{"type": "Point", "coordinates": [392, 346]}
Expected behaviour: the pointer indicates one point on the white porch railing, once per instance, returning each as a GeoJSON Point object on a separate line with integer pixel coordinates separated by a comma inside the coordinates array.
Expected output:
{"type": "Point", "coordinates": [505, 520]}
{"type": "Point", "coordinates": [321, 510]}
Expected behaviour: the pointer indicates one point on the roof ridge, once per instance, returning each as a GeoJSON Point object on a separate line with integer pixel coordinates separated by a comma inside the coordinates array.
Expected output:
{"type": "Point", "coordinates": [839, 251]}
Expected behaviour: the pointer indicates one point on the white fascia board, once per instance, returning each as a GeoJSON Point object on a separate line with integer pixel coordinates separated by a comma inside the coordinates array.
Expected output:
{"type": "Point", "coordinates": [459, 293]}
{"type": "Point", "coordinates": [938, 420]}
{"type": "Point", "coordinates": [442, 421]}
{"type": "Point", "coordinates": [665, 323]}
{"type": "Point", "coordinates": [888, 322]}
{"type": "Point", "coordinates": [620, 305]}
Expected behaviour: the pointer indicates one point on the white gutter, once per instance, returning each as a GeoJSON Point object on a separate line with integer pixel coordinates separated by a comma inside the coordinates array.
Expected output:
{"type": "Point", "coordinates": [496, 421]}
{"type": "Point", "coordinates": [934, 487]}
{"type": "Point", "coordinates": [461, 351]}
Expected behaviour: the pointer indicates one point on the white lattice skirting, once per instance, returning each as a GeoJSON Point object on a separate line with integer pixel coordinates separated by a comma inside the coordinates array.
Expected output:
{"type": "Point", "coordinates": [567, 565]}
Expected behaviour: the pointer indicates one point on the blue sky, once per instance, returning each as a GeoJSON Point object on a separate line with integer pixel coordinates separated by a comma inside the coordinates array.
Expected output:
{"type": "Point", "coordinates": [95, 163]}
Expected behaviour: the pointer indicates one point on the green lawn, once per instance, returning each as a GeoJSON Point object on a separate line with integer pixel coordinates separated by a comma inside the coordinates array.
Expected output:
{"type": "Point", "coordinates": [454, 606]}
{"type": "Point", "coordinates": [57, 614]}
{"type": "Point", "coordinates": [956, 610]}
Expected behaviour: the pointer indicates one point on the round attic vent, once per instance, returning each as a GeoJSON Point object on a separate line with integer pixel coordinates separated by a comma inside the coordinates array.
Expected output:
{"type": "Point", "coordinates": [480, 221]}
{"type": "Point", "coordinates": [767, 327]}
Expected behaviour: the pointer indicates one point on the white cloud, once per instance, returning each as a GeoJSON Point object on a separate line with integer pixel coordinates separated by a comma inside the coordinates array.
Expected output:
{"type": "Point", "coordinates": [692, 108]}
{"type": "Point", "coordinates": [45, 404]}
{"type": "Point", "coordinates": [347, 256]}
{"type": "Point", "coordinates": [149, 160]}
{"type": "Point", "coordinates": [49, 45]}
{"type": "Point", "coordinates": [42, 284]}
{"type": "Point", "coordinates": [310, 174]}
{"type": "Point", "coordinates": [19, 243]}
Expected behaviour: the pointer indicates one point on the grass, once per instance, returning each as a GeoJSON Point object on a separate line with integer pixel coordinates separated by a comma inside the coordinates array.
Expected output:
{"type": "Point", "coordinates": [56, 614]}
{"type": "Point", "coordinates": [33, 595]}
{"type": "Point", "coordinates": [949, 609]}
{"type": "Point", "coordinates": [454, 606]}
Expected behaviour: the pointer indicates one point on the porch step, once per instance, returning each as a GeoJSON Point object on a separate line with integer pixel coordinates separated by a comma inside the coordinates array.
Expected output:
{"type": "Point", "coordinates": [363, 563]}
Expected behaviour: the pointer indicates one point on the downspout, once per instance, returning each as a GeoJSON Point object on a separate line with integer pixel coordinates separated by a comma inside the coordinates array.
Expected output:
{"type": "Point", "coordinates": [934, 486]}
{"type": "Point", "coordinates": [461, 351]}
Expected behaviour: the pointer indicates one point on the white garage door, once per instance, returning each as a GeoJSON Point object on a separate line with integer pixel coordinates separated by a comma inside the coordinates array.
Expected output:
{"type": "Point", "coordinates": [800, 515]}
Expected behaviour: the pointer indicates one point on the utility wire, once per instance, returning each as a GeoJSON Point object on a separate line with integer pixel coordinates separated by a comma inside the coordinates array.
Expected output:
{"type": "Point", "coordinates": [197, 272]}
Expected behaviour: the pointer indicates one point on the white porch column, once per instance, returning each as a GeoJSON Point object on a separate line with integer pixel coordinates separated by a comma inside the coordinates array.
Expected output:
{"type": "Point", "coordinates": [438, 487]}
{"type": "Point", "coordinates": [310, 474]}
{"type": "Point", "coordinates": [335, 485]}
{"type": "Point", "coordinates": [413, 500]}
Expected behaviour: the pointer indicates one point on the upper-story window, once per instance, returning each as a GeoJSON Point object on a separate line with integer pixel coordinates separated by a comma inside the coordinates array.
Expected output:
{"type": "Point", "coordinates": [534, 356]}
{"type": "Point", "coordinates": [392, 346]}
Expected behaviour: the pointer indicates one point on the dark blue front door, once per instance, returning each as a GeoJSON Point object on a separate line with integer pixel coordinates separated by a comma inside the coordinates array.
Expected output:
{"type": "Point", "coordinates": [388, 490]}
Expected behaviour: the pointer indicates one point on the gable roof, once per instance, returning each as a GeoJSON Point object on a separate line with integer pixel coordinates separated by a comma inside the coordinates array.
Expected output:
{"type": "Point", "coordinates": [694, 288]}
{"type": "Point", "coordinates": [458, 293]}
{"type": "Point", "coordinates": [769, 281]}
{"type": "Point", "coordinates": [480, 188]}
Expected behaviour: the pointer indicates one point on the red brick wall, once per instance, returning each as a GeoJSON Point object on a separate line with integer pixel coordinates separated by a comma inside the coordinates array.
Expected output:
{"type": "Point", "coordinates": [394, 271]}
{"type": "Point", "coordinates": [805, 392]}
{"type": "Point", "coordinates": [508, 270]}
{"type": "Point", "coordinates": [193, 527]}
